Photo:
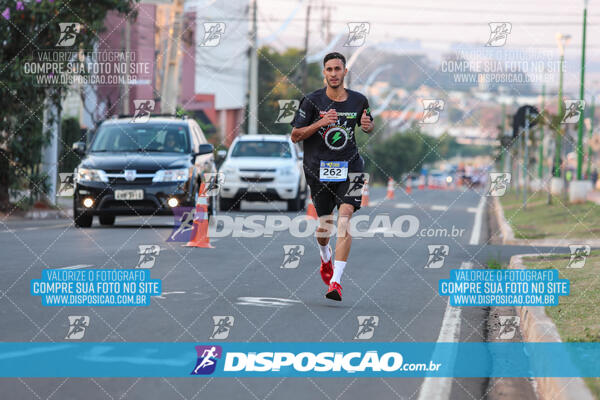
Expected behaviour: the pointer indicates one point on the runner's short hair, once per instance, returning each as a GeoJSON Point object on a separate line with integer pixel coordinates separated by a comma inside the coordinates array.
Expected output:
{"type": "Point", "coordinates": [333, 56]}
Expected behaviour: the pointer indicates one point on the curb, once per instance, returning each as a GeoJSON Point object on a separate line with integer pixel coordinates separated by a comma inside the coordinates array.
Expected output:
{"type": "Point", "coordinates": [536, 326]}
{"type": "Point", "coordinates": [49, 214]}
{"type": "Point", "coordinates": [508, 235]}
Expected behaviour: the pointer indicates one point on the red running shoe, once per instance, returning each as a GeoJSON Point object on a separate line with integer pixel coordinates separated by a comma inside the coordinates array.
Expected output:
{"type": "Point", "coordinates": [327, 269]}
{"type": "Point", "coordinates": [334, 292]}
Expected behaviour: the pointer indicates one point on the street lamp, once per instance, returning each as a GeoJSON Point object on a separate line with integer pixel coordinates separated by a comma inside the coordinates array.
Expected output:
{"type": "Point", "coordinates": [561, 42]}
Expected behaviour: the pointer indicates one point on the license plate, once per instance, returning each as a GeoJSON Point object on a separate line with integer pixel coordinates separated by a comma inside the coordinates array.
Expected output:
{"type": "Point", "coordinates": [255, 188]}
{"type": "Point", "coordinates": [333, 171]}
{"type": "Point", "coordinates": [129, 194]}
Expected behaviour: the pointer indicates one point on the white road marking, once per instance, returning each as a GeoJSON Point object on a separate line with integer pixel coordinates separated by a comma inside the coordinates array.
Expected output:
{"type": "Point", "coordinates": [439, 208]}
{"type": "Point", "coordinates": [476, 233]}
{"type": "Point", "coordinates": [164, 294]}
{"type": "Point", "coordinates": [37, 228]}
{"type": "Point", "coordinates": [80, 266]}
{"type": "Point", "coordinates": [404, 205]}
{"type": "Point", "coordinates": [374, 203]}
{"type": "Point", "coordinates": [440, 388]}
{"type": "Point", "coordinates": [265, 302]}
{"type": "Point", "coordinates": [472, 209]}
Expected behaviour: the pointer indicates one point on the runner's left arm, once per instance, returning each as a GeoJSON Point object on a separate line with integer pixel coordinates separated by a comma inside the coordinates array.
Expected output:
{"type": "Point", "coordinates": [366, 119]}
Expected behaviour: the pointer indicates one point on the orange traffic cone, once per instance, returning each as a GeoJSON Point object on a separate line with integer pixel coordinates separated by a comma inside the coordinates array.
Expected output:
{"type": "Point", "coordinates": [390, 189]}
{"type": "Point", "coordinates": [311, 211]}
{"type": "Point", "coordinates": [408, 186]}
{"type": "Point", "coordinates": [364, 202]}
{"type": "Point", "coordinates": [200, 232]}
{"type": "Point", "coordinates": [422, 182]}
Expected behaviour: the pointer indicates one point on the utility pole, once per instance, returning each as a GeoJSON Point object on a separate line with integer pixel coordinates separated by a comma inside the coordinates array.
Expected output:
{"type": "Point", "coordinates": [126, 99]}
{"type": "Point", "coordinates": [304, 63]}
{"type": "Point", "coordinates": [526, 158]}
{"type": "Point", "coordinates": [51, 122]}
{"type": "Point", "coordinates": [502, 135]}
{"type": "Point", "coordinates": [591, 133]}
{"type": "Point", "coordinates": [561, 41]}
{"type": "Point", "coordinates": [581, 96]}
{"type": "Point", "coordinates": [170, 82]}
{"type": "Point", "coordinates": [253, 95]}
{"type": "Point", "coordinates": [541, 145]}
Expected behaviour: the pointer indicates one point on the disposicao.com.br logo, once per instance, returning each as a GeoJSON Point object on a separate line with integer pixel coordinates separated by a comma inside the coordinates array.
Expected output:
{"type": "Point", "coordinates": [311, 362]}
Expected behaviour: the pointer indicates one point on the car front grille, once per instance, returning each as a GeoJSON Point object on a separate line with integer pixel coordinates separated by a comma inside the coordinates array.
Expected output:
{"type": "Point", "coordinates": [123, 181]}
{"type": "Point", "coordinates": [257, 170]}
{"type": "Point", "coordinates": [254, 179]}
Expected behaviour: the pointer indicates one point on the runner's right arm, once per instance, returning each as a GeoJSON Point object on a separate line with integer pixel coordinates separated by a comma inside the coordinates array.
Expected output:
{"type": "Point", "coordinates": [299, 134]}
{"type": "Point", "coordinates": [303, 124]}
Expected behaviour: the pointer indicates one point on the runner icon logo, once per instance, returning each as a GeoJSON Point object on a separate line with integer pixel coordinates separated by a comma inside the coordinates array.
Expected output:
{"type": "Point", "coordinates": [143, 109]}
{"type": "Point", "coordinates": [213, 31]}
{"type": "Point", "coordinates": [212, 183]}
{"type": "Point", "coordinates": [357, 181]}
{"type": "Point", "coordinates": [357, 33]}
{"type": "Point", "coordinates": [366, 326]}
{"type": "Point", "coordinates": [287, 110]}
{"type": "Point", "coordinates": [508, 327]}
{"type": "Point", "coordinates": [207, 359]}
{"type": "Point", "coordinates": [291, 255]}
{"type": "Point", "coordinates": [431, 110]}
{"type": "Point", "coordinates": [573, 111]}
{"type": "Point", "coordinates": [68, 33]}
{"type": "Point", "coordinates": [579, 253]}
{"type": "Point", "coordinates": [499, 32]}
{"type": "Point", "coordinates": [499, 182]}
{"type": "Point", "coordinates": [66, 188]}
{"type": "Point", "coordinates": [223, 325]}
{"type": "Point", "coordinates": [183, 224]}
{"type": "Point", "coordinates": [437, 255]}
{"type": "Point", "coordinates": [148, 254]}
{"type": "Point", "coordinates": [77, 325]}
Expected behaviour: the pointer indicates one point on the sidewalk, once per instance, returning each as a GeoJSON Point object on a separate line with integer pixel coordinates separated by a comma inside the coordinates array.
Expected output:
{"type": "Point", "coordinates": [594, 196]}
{"type": "Point", "coordinates": [64, 209]}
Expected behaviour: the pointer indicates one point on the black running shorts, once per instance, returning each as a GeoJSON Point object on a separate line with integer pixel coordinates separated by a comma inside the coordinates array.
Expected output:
{"type": "Point", "coordinates": [327, 195]}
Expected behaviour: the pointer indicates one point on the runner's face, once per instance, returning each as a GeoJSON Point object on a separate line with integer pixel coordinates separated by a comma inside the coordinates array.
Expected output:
{"type": "Point", "coordinates": [334, 72]}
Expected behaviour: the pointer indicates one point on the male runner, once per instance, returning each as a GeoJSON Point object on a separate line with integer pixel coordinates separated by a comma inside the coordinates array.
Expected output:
{"type": "Point", "coordinates": [325, 121]}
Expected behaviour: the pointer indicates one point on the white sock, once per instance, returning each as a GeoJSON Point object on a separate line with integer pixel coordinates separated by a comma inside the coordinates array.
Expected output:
{"type": "Point", "coordinates": [338, 270]}
{"type": "Point", "coordinates": [325, 252]}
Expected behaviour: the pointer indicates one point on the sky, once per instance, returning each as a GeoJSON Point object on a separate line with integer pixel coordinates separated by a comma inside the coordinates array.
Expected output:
{"type": "Point", "coordinates": [437, 26]}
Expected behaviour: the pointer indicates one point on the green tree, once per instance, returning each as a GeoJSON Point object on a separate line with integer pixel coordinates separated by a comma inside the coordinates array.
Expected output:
{"type": "Point", "coordinates": [27, 27]}
{"type": "Point", "coordinates": [280, 78]}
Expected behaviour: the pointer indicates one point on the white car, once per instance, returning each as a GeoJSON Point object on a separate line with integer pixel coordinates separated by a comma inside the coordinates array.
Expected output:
{"type": "Point", "coordinates": [263, 168]}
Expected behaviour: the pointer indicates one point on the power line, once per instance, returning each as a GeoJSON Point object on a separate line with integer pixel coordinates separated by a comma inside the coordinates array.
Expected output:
{"type": "Point", "coordinates": [450, 10]}
{"type": "Point", "coordinates": [429, 22]}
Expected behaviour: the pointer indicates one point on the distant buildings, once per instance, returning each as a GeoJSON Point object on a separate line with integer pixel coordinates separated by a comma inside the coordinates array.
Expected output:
{"type": "Point", "coordinates": [212, 75]}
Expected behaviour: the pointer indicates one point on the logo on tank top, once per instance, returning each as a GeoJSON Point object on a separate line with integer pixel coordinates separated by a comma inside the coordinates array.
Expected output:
{"type": "Point", "coordinates": [336, 136]}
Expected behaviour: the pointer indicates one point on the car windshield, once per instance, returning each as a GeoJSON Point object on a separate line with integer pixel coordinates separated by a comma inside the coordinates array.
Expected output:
{"type": "Point", "coordinates": [146, 137]}
{"type": "Point", "coordinates": [262, 148]}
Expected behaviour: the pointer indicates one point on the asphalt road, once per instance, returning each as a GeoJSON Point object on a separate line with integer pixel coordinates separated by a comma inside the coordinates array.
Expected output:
{"type": "Point", "coordinates": [242, 277]}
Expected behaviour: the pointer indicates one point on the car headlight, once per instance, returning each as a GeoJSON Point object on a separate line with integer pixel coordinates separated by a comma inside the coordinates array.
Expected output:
{"type": "Point", "coordinates": [226, 170]}
{"type": "Point", "coordinates": [172, 175]}
{"type": "Point", "coordinates": [287, 171]}
{"type": "Point", "coordinates": [91, 175]}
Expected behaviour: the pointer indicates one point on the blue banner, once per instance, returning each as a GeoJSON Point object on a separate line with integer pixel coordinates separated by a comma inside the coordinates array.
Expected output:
{"type": "Point", "coordinates": [299, 359]}
{"type": "Point", "coordinates": [508, 287]}
{"type": "Point", "coordinates": [96, 287]}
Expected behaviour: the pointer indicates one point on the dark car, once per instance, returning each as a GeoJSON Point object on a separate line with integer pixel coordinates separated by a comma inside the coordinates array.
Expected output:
{"type": "Point", "coordinates": [141, 168]}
